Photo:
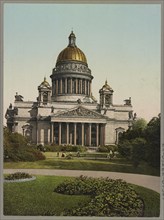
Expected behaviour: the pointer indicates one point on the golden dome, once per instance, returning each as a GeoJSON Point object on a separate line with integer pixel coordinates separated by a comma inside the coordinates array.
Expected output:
{"type": "Point", "coordinates": [45, 83]}
{"type": "Point", "coordinates": [72, 52]}
{"type": "Point", "coordinates": [106, 86]}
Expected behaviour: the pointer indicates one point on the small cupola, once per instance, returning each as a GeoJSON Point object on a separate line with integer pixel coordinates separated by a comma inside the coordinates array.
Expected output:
{"type": "Point", "coordinates": [44, 90]}
{"type": "Point", "coordinates": [106, 95]}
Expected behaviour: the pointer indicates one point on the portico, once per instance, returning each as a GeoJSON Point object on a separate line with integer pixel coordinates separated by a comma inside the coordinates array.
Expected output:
{"type": "Point", "coordinates": [78, 126]}
{"type": "Point", "coordinates": [78, 133]}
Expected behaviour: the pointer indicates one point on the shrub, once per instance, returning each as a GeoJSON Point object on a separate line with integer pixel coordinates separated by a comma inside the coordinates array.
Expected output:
{"type": "Point", "coordinates": [16, 148]}
{"type": "Point", "coordinates": [52, 148]}
{"type": "Point", "coordinates": [102, 149]}
{"type": "Point", "coordinates": [107, 148]}
{"type": "Point", "coordinates": [133, 150]}
{"type": "Point", "coordinates": [22, 154]}
{"type": "Point", "coordinates": [37, 154]}
{"type": "Point", "coordinates": [41, 148]}
{"type": "Point", "coordinates": [64, 148]}
{"type": "Point", "coordinates": [108, 197]}
{"type": "Point", "coordinates": [18, 175]}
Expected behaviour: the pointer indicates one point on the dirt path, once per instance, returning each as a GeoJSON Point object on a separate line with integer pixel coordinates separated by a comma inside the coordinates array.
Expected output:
{"type": "Point", "coordinates": [151, 182]}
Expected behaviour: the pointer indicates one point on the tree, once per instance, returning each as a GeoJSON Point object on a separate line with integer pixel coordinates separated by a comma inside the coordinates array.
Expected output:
{"type": "Point", "coordinates": [139, 124]}
{"type": "Point", "coordinates": [137, 130]}
{"type": "Point", "coordinates": [152, 136]}
{"type": "Point", "coordinates": [16, 148]}
{"type": "Point", "coordinates": [133, 150]}
{"type": "Point", "coordinates": [138, 151]}
{"type": "Point", "coordinates": [142, 142]}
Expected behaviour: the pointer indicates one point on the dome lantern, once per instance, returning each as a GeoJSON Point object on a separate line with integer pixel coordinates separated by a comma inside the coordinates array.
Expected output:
{"type": "Point", "coordinates": [71, 52]}
{"type": "Point", "coordinates": [72, 40]}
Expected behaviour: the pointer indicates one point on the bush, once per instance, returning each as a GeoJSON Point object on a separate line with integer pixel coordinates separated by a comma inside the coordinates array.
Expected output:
{"type": "Point", "coordinates": [17, 148]}
{"type": "Point", "coordinates": [133, 150]}
{"type": "Point", "coordinates": [37, 154]}
{"type": "Point", "coordinates": [107, 148]}
{"type": "Point", "coordinates": [108, 197]}
{"type": "Point", "coordinates": [102, 149]}
{"type": "Point", "coordinates": [64, 148]}
{"type": "Point", "coordinates": [52, 148]}
{"type": "Point", "coordinates": [18, 175]}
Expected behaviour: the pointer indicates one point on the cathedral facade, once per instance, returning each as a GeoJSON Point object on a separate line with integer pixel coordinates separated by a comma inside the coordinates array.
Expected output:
{"type": "Point", "coordinates": [66, 112]}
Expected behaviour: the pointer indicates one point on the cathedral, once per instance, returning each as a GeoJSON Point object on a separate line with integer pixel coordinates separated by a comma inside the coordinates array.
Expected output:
{"type": "Point", "coordinates": [66, 112]}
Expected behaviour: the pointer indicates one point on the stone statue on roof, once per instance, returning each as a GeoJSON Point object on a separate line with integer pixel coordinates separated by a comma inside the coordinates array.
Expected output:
{"type": "Point", "coordinates": [18, 97]}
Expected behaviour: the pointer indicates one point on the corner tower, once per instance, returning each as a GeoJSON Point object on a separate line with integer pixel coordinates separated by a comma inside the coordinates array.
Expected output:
{"type": "Point", "coordinates": [106, 95]}
{"type": "Point", "coordinates": [44, 90]}
{"type": "Point", "coordinates": [71, 77]}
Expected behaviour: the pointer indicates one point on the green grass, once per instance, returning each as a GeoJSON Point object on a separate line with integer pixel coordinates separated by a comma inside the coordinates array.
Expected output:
{"type": "Point", "coordinates": [37, 198]}
{"type": "Point", "coordinates": [115, 165]}
{"type": "Point", "coordinates": [151, 200]}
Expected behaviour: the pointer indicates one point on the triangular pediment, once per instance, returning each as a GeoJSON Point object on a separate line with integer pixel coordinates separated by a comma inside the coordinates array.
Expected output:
{"type": "Point", "coordinates": [80, 112]}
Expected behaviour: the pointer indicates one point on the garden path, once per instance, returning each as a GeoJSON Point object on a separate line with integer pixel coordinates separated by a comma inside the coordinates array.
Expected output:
{"type": "Point", "coordinates": [151, 182]}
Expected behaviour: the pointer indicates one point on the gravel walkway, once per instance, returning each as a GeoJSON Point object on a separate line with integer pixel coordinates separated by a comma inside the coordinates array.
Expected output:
{"type": "Point", "coordinates": [151, 182]}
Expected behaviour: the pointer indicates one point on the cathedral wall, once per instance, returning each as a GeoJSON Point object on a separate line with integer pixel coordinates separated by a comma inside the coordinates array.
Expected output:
{"type": "Point", "coordinates": [43, 132]}
{"type": "Point", "coordinates": [121, 115]}
{"type": "Point", "coordinates": [24, 112]}
{"type": "Point", "coordinates": [44, 111]}
{"type": "Point", "coordinates": [121, 125]}
{"type": "Point", "coordinates": [110, 114]}
{"type": "Point", "coordinates": [110, 133]}
{"type": "Point", "coordinates": [68, 98]}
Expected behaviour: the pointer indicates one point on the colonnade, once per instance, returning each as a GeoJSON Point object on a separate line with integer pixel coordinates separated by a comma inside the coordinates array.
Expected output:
{"type": "Point", "coordinates": [71, 86]}
{"type": "Point", "coordinates": [85, 134]}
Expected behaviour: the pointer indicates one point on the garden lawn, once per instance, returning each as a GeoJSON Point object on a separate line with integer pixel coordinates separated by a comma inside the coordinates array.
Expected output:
{"type": "Point", "coordinates": [38, 198]}
{"type": "Point", "coordinates": [114, 165]}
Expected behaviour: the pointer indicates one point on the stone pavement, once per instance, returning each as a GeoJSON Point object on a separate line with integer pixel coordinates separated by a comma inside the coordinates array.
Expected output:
{"type": "Point", "coordinates": [151, 182]}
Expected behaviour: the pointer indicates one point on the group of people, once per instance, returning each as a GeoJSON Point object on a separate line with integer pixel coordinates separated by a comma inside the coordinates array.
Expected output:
{"type": "Point", "coordinates": [63, 154]}
{"type": "Point", "coordinates": [111, 154]}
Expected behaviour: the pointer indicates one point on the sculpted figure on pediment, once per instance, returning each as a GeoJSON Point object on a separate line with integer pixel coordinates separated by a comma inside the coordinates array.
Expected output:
{"type": "Point", "coordinates": [80, 112]}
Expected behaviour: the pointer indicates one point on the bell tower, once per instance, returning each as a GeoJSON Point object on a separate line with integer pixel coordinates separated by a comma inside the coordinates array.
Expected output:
{"type": "Point", "coordinates": [44, 90]}
{"type": "Point", "coordinates": [106, 95]}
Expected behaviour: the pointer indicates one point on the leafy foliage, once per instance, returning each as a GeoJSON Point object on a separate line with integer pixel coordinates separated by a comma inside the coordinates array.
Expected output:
{"type": "Point", "coordinates": [142, 142]}
{"type": "Point", "coordinates": [65, 148]}
{"type": "Point", "coordinates": [18, 175]}
{"type": "Point", "coordinates": [16, 148]}
{"type": "Point", "coordinates": [108, 197]}
{"type": "Point", "coordinates": [108, 148]}
{"type": "Point", "coordinates": [152, 136]}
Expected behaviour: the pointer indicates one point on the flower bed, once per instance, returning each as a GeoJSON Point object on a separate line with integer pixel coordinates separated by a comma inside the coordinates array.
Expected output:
{"type": "Point", "coordinates": [108, 197]}
{"type": "Point", "coordinates": [19, 177]}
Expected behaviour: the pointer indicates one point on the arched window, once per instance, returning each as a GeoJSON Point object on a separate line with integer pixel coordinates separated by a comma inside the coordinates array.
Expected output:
{"type": "Point", "coordinates": [45, 98]}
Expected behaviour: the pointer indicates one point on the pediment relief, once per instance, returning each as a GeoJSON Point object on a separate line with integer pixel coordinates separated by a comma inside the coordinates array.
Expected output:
{"type": "Point", "coordinates": [80, 112]}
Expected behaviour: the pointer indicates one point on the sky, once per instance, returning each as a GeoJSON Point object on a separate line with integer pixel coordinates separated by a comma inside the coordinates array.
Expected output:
{"type": "Point", "coordinates": [122, 43]}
